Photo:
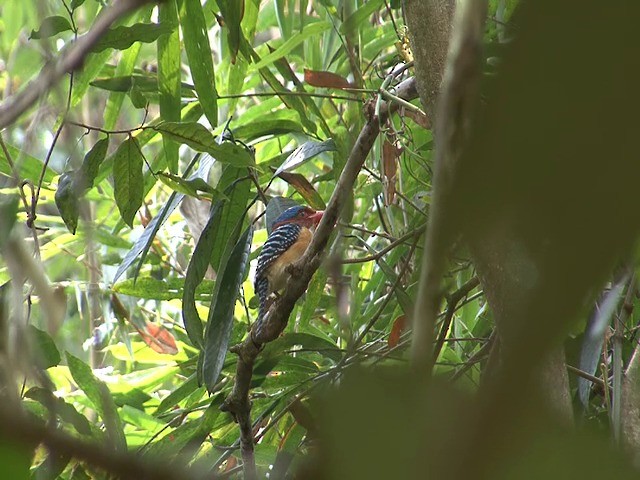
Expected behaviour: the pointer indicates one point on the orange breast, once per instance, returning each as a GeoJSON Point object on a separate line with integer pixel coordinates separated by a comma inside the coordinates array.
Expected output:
{"type": "Point", "coordinates": [277, 274]}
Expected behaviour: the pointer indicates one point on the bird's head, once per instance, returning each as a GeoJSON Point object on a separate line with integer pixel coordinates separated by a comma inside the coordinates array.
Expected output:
{"type": "Point", "coordinates": [305, 216]}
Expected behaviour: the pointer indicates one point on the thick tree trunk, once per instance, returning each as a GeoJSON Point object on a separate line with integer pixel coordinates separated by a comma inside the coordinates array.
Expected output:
{"type": "Point", "coordinates": [503, 272]}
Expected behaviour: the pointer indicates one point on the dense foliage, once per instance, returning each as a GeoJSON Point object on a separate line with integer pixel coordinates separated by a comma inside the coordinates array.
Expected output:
{"type": "Point", "coordinates": [133, 208]}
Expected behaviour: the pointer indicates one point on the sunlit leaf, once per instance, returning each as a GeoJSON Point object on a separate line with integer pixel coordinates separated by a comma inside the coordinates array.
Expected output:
{"type": "Point", "coordinates": [309, 31]}
{"type": "Point", "coordinates": [127, 179]}
{"type": "Point", "coordinates": [304, 153]}
{"type": "Point", "coordinates": [99, 395]}
{"type": "Point", "coordinates": [196, 45]}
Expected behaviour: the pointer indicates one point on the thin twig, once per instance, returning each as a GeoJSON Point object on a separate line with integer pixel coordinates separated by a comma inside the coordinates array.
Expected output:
{"type": "Point", "coordinates": [71, 59]}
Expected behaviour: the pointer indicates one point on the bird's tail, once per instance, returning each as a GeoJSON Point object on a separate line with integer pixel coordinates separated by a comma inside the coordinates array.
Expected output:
{"type": "Point", "coordinates": [262, 290]}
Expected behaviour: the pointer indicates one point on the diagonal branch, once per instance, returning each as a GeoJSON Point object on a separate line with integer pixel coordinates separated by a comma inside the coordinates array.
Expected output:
{"type": "Point", "coordinates": [275, 321]}
{"type": "Point", "coordinates": [71, 59]}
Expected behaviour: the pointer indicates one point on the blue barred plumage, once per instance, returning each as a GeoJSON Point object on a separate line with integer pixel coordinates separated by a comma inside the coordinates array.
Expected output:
{"type": "Point", "coordinates": [287, 242]}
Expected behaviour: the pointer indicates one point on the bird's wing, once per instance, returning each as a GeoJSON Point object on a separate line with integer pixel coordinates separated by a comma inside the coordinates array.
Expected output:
{"type": "Point", "coordinates": [280, 240]}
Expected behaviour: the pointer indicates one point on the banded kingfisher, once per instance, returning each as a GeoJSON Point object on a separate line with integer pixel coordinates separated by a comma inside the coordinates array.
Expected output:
{"type": "Point", "coordinates": [290, 236]}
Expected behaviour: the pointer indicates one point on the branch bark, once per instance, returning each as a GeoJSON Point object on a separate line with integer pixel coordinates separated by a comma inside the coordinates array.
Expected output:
{"type": "Point", "coordinates": [275, 320]}
{"type": "Point", "coordinates": [71, 59]}
{"type": "Point", "coordinates": [17, 428]}
{"type": "Point", "coordinates": [455, 105]}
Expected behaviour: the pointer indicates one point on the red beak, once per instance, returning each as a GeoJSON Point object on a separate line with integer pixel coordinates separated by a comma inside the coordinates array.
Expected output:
{"type": "Point", "coordinates": [315, 218]}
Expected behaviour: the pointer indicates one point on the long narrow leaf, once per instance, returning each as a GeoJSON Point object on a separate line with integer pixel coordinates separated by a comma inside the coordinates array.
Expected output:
{"type": "Point", "coordinates": [221, 315]}
{"type": "Point", "coordinates": [196, 44]}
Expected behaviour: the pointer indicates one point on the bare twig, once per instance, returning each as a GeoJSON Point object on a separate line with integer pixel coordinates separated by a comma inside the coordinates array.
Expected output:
{"type": "Point", "coordinates": [274, 322]}
{"type": "Point", "coordinates": [70, 60]}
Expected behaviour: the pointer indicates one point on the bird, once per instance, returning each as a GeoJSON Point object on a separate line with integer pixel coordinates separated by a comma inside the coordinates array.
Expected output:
{"type": "Point", "coordinates": [290, 236]}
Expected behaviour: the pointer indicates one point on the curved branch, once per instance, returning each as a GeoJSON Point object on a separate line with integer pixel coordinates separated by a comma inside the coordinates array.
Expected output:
{"type": "Point", "coordinates": [274, 322]}
{"type": "Point", "coordinates": [71, 59]}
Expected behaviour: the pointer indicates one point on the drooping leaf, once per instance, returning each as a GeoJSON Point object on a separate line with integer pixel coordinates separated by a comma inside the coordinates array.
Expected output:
{"type": "Point", "coordinates": [122, 37]}
{"type": "Point", "coordinates": [221, 315]}
{"type": "Point", "coordinates": [29, 168]}
{"type": "Point", "coordinates": [189, 187]}
{"type": "Point", "coordinates": [323, 79]}
{"type": "Point", "coordinates": [398, 327]}
{"type": "Point", "coordinates": [91, 165]}
{"type": "Point", "coordinates": [200, 139]}
{"type": "Point", "coordinates": [304, 188]}
{"type": "Point", "coordinates": [101, 399]}
{"type": "Point", "coordinates": [195, 273]}
{"type": "Point", "coordinates": [196, 45]}
{"type": "Point", "coordinates": [67, 200]}
{"type": "Point", "coordinates": [591, 350]}
{"type": "Point", "coordinates": [128, 179]}
{"type": "Point", "coordinates": [64, 410]}
{"type": "Point", "coordinates": [232, 12]}
{"type": "Point", "coordinates": [169, 77]}
{"type": "Point", "coordinates": [351, 24]}
{"type": "Point", "coordinates": [185, 389]}
{"type": "Point", "coordinates": [232, 215]}
{"type": "Point", "coordinates": [266, 128]}
{"type": "Point", "coordinates": [304, 153]}
{"type": "Point", "coordinates": [312, 298]}
{"type": "Point", "coordinates": [51, 26]}
{"type": "Point", "coordinates": [76, 3]}
{"type": "Point", "coordinates": [286, 48]}
{"type": "Point", "coordinates": [43, 348]}
{"type": "Point", "coordinates": [141, 247]}
{"type": "Point", "coordinates": [144, 83]}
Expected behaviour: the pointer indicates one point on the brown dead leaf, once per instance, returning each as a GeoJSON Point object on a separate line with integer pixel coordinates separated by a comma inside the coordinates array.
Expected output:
{"type": "Point", "coordinates": [318, 78]}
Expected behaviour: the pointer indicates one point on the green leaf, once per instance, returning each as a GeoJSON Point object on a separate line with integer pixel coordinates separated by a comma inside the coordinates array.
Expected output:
{"type": "Point", "coordinates": [91, 165]}
{"type": "Point", "coordinates": [350, 25]}
{"type": "Point", "coordinates": [191, 433]}
{"type": "Point", "coordinates": [304, 189]}
{"type": "Point", "coordinates": [51, 26]}
{"type": "Point", "coordinates": [304, 340]}
{"type": "Point", "coordinates": [232, 11]}
{"type": "Point", "coordinates": [309, 31]}
{"type": "Point", "coordinates": [233, 212]}
{"type": "Point", "coordinates": [185, 389]}
{"type": "Point", "coordinates": [101, 399]}
{"type": "Point", "coordinates": [122, 37]}
{"type": "Point", "coordinates": [43, 348]}
{"type": "Point", "coordinates": [8, 216]}
{"type": "Point", "coordinates": [67, 200]}
{"type": "Point", "coordinates": [64, 410]}
{"type": "Point", "coordinates": [27, 166]}
{"type": "Point", "coordinates": [266, 128]}
{"type": "Point", "coordinates": [196, 44]}
{"type": "Point", "coordinates": [195, 273]}
{"type": "Point", "coordinates": [304, 153]}
{"type": "Point", "coordinates": [144, 83]}
{"type": "Point", "coordinates": [127, 179]}
{"type": "Point", "coordinates": [201, 140]}
{"type": "Point", "coordinates": [169, 78]}
{"type": "Point", "coordinates": [189, 187]}
{"type": "Point", "coordinates": [312, 298]}
{"type": "Point", "coordinates": [221, 315]}
{"type": "Point", "coordinates": [125, 66]}
{"type": "Point", "coordinates": [168, 289]}
{"type": "Point", "coordinates": [76, 3]}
